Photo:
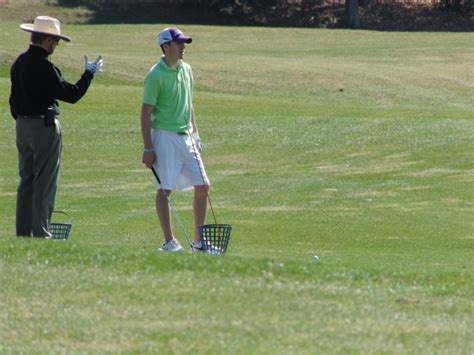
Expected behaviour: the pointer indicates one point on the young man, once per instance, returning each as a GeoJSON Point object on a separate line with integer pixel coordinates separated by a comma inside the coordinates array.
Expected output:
{"type": "Point", "coordinates": [36, 87]}
{"type": "Point", "coordinates": [170, 135]}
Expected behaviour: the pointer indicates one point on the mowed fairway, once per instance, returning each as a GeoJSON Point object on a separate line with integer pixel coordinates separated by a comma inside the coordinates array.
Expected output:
{"type": "Point", "coordinates": [353, 146]}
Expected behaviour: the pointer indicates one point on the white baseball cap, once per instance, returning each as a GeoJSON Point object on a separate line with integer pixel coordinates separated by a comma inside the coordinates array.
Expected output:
{"type": "Point", "coordinates": [172, 34]}
{"type": "Point", "coordinates": [45, 25]}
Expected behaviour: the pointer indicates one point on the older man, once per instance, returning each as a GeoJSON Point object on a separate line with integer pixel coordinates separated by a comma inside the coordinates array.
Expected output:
{"type": "Point", "coordinates": [36, 87]}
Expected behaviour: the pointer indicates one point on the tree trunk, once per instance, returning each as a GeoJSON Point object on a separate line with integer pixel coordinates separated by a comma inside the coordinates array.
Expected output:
{"type": "Point", "coordinates": [352, 14]}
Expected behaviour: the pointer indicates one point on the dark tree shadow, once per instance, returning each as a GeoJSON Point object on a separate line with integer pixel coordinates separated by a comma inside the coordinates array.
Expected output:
{"type": "Point", "coordinates": [135, 12]}
{"type": "Point", "coordinates": [400, 17]}
{"type": "Point", "coordinates": [375, 16]}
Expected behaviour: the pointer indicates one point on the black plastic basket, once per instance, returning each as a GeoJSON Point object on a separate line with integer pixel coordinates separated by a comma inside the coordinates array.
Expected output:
{"type": "Point", "coordinates": [215, 237]}
{"type": "Point", "coordinates": [60, 230]}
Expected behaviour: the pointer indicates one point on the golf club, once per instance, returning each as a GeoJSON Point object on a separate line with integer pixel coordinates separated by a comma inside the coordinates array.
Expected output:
{"type": "Point", "coordinates": [215, 237]}
{"type": "Point", "coordinates": [195, 150]}
{"type": "Point", "coordinates": [180, 223]}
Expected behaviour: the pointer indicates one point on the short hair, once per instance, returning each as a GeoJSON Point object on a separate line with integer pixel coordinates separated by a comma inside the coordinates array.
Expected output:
{"type": "Point", "coordinates": [38, 38]}
{"type": "Point", "coordinates": [162, 46]}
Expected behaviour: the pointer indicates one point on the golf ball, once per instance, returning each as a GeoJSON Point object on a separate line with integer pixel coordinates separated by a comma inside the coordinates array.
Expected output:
{"type": "Point", "coordinates": [315, 258]}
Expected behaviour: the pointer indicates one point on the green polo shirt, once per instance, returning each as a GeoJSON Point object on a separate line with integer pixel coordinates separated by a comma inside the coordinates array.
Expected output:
{"type": "Point", "coordinates": [170, 90]}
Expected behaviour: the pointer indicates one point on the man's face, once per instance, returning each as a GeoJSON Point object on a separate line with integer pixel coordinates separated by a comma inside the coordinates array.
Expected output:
{"type": "Point", "coordinates": [51, 43]}
{"type": "Point", "coordinates": [175, 50]}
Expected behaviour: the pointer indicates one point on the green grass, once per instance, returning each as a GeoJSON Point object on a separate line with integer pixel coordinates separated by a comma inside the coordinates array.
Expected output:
{"type": "Point", "coordinates": [355, 146]}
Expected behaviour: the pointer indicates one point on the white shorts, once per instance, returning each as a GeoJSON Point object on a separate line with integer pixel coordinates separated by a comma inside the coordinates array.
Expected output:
{"type": "Point", "coordinates": [178, 162]}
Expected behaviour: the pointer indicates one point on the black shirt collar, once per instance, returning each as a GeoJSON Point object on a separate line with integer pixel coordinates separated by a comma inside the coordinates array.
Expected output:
{"type": "Point", "coordinates": [39, 51]}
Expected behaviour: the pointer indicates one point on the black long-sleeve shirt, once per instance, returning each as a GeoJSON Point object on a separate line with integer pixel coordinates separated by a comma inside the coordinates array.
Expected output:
{"type": "Point", "coordinates": [37, 84]}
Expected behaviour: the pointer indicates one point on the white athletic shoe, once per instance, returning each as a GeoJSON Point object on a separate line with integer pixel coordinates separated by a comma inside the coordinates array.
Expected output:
{"type": "Point", "coordinates": [196, 246]}
{"type": "Point", "coordinates": [171, 245]}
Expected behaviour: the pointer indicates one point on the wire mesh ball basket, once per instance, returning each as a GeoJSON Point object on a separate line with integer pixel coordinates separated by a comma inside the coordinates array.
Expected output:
{"type": "Point", "coordinates": [215, 237]}
{"type": "Point", "coordinates": [60, 231]}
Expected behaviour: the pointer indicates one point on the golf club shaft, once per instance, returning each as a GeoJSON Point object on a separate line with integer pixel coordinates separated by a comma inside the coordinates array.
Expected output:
{"type": "Point", "coordinates": [180, 223]}
{"type": "Point", "coordinates": [202, 175]}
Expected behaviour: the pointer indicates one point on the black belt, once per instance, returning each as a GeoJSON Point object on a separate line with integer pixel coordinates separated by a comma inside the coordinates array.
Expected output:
{"type": "Point", "coordinates": [32, 117]}
{"type": "Point", "coordinates": [182, 133]}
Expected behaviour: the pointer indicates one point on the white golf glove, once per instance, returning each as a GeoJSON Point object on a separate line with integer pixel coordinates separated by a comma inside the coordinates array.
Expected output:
{"type": "Point", "coordinates": [197, 141]}
{"type": "Point", "coordinates": [93, 66]}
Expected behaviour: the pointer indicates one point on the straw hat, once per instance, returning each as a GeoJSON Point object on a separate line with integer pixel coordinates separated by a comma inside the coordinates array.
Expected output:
{"type": "Point", "coordinates": [45, 25]}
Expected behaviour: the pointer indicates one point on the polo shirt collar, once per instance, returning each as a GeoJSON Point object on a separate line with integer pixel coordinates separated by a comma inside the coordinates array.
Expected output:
{"type": "Point", "coordinates": [165, 66]}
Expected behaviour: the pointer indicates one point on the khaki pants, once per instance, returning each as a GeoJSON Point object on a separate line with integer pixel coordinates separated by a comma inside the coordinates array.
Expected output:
{"type": "Point", "coordinates": [39, 155]}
